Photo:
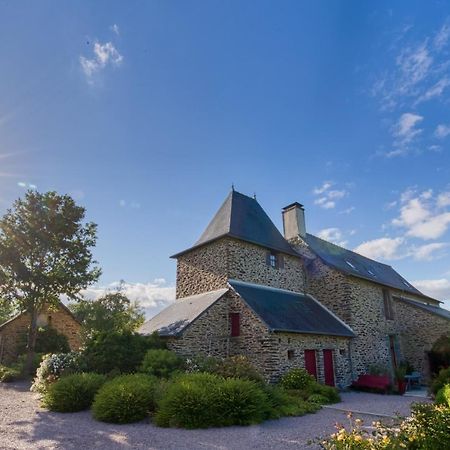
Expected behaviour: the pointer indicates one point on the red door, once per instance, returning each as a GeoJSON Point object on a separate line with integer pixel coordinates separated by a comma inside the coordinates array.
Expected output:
{"type": "Point", "coordinates": [310, 362]}
{"type": "Point", "coordinates": [328, 367]}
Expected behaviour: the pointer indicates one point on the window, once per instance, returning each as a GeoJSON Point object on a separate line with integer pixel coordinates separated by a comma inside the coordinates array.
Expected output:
{"type": "Point", "coordinates": [351, 265]}
{"type": "Point", "coordinates": [388, 307]}
{"type": "Point", "coordinates": [275, 260]}
{"type": "Point", "coordinates": [291, 354]}
{"type": "Point", "coordinates": [235, 324]}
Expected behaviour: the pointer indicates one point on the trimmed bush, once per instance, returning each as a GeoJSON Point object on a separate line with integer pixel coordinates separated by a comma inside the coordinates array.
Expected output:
{"type": "Point", "coordinates": [125, 399]}
{"type": "Point", "coordinates": [201, 400]}
{"type": "Point", "coordinates": [106, 352]}
{"type": "Point", "coordinates": [443, 396]}
{"type": "Point", "coordinates": [241, 402]}
{"type": "Point", "coordinates": [161, 363]}
{"type": "Point", "coordinates": [297, 379]}
{"type": "Point", "coordinates": [73, 392]}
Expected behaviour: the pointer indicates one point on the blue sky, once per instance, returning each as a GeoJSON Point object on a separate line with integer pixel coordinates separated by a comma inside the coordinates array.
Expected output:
{"type": "Point", "coordinates": [147, 113]}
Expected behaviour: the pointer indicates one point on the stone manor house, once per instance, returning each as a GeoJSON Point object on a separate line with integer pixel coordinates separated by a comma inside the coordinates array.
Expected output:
{"type": "Point", "coordinates": [294, 301]}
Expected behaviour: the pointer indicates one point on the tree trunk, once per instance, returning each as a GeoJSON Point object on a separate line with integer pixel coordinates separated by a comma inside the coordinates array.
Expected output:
{"type": "Point", "coordinates": [31, 343]}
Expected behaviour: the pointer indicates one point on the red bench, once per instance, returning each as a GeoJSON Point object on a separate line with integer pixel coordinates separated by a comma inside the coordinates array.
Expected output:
{"type": "Point", "coordinates": [378, 382]}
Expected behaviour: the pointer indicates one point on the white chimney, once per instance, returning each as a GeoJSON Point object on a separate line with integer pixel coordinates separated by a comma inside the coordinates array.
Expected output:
{"type": "Point", "coordinates": [294, 221]}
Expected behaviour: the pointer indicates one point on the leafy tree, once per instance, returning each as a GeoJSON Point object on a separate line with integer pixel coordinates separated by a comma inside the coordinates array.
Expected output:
{"type": "Point", "coordinates": [112, 312]}
{"type": "Point", "coordinates": [45, 252]}
{"type": "Point", "coordinates": [7, 311]}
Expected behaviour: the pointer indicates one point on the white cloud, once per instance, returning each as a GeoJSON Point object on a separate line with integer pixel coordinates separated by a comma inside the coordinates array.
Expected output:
{"type": "Point", "coordinates": [442, 37]}
{"type": "Point", "coordinates": [382, 248]}
{"type": "Point", "coordinates": [429, 252]}
{"type": "Point", "coordinates": [325, 186]}
{"type": "Point", "coordinates": [328, 197]}
{"type": "Point", "coordinates": [442, 131]}
{"type": "Point", "coordinates": [434, 91]}
{"type": "Point", "coordinates": [405, 130]}
{"type": "Point", "coordinates": [152, 296]}
{"type": "Point", "coordinates": [104, 55]}
{"type": "Point", "coordinates": [423, 215]}
{"type": "Point", "coordinates": [332, 235]}
{"type": "Point", "coordinates": [437, 288]}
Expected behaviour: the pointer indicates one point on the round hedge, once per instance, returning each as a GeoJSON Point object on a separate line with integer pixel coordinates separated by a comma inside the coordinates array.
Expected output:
{"type": "Point", "coordinates": [125, 399]}
{"type": "Point", "coordinates": [297, 379]}
{"type": "Point", "coordinates": [203, 400]}
{"type": "Point", "coordinates": [161, 363]}
{"type": "Point", "coordinates": [73, 392]}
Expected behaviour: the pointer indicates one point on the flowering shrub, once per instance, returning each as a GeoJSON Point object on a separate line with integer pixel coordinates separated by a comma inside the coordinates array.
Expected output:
{"type": "Point", "coordinates": [53, 366]}
{"type": "Point", "coordinates": [428, 428]}
{"type": "Point", "coordinates": [443, 396]}
{"type": "Point", "coordinates": [297, 379]}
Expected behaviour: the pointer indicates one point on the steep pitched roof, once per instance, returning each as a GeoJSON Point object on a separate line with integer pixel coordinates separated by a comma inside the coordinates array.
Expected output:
{"type": "Point", "coordinates": [359, 266]}
{"type": "Point", "coordinates": [288, 311]}
{"type": "Point", "coordinates": [242, 217]}
{"type": "Point", "coordinates": [174, 319]}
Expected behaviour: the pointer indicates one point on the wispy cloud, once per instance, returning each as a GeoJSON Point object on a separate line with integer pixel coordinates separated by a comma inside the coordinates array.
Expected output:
{"type": "Point", "coordinates": [384, 248]}
{"type": "Point", "coordinates": [442, 131]}
{"type": "Point", "coordinates": [104, 55]}
{"type": "Point", "coordinates": [327, 198]}
{"type": "Point", "coordinates": [437, 288]}
{"type": "Point", "coordinates": [115, 29]}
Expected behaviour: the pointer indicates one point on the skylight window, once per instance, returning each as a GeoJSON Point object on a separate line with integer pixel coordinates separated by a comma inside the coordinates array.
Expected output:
{"type": "Point", "coordinates": [406, 283]}
{"type": "Point", "coordinates": [371, 273]}
{"type": "Point", "coordinates": [351, 265]}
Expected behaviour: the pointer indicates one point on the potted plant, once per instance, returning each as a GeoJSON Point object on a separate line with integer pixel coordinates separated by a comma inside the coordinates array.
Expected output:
{"type": "Point", "coordinates": [400, 373]}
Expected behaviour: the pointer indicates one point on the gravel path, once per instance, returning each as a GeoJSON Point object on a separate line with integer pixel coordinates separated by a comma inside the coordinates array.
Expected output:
{"type": "Point", "coordinates": [24, 425]}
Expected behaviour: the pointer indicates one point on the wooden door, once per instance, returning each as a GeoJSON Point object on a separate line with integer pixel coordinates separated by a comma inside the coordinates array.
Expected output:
{"type": "Point", "coordinates": [328, 367]}
{"type": "Point", "coordinates": [310, 362]}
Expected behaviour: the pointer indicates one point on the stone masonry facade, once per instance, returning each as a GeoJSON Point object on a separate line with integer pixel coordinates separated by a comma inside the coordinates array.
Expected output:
{"type": "Point", "coordinates": [209, 267]}
{"type": "Point", "coordinates": [13, 333]}
{"type": "Point", "coordinates": [210, 335]}
{"type": "Point", "coordinates": [357, 302]}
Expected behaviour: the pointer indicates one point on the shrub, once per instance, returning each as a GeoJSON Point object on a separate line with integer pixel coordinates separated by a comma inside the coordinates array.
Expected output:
{"type": "Point", "coordinates": [48, 340]}
{"type": "Point", "coordinates": [8, 374]}
{"type": "Point", "coordinates": [125, 399]}
{"type": "Point", "coordinates": [189, 402]}
{"type": "Point", "coordinates": [54, 366]}
{"type": "Point", "coordinates": [441, 379]}
{"type": "Point", "coordinates": [73, 392]}
{"type": "Point", "coordinates": [123, 352]}
{"type": "Point", "coordinates": [161, 363]}
{"type": "Point", "coordinates": [426, 429]}
{"type": "Point", "coordinates": [319, 399]}
{"type": "Point", "coordinates": [241, 402]}
{"type": "Point", "coordinates": [443, 396]}
{"type": "Point", "coordinates": [329, 392]}
{"type": "Point", "coordinates": [297, 379]}
{"type": "Point", "coordinates": [288, 403]}
{"type": "Point", "coordinates": [202, 400]}
{"type": "Point", "coordinates": [237, 367]}
{"type": "Point", "coordinates": [197, 364]}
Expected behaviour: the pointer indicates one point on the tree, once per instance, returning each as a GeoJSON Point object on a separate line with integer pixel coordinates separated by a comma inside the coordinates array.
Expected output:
{"type": "Point", "coordinates": [112, 312]}
{"type": "Point", "coordinates": [45, 252]}
{"type": "Point", "coordinates": [7, 311]}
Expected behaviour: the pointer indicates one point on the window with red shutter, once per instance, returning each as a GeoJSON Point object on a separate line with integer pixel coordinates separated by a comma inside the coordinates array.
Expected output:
{"type": "Point", "coordinates": [235, 324]}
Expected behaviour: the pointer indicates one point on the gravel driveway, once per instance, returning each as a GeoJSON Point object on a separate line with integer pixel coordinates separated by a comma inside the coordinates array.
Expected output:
{"type": "Point", "coordinates": [24, 425]}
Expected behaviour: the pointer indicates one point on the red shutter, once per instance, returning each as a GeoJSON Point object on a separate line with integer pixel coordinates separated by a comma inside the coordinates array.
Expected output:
{"type": "Point", "coordinates": [235, 324]}
{"type": "Point", "coordinates": [310, 362]}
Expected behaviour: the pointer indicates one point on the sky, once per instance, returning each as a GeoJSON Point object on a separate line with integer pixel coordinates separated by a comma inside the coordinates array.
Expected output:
{"type": "Point", "coordinates": [147, 113]}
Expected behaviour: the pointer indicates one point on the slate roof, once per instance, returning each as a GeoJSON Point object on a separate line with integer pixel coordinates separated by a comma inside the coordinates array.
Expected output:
{"type": "Point", "coordinates": [359, 266]}
{"type": "Point", "coordinates": [243, 218]}
{"type": "Point", "coordinates": [172, 320]}
{"type": "Point", "coordinates": [288, 311]}
{"type": "Point", "coordinates": [445, 313]}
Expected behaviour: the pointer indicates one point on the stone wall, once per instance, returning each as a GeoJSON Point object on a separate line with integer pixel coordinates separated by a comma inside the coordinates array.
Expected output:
{"type": "Point", "coordinates": [210, 266]}
{"type": "Point", "coordinates": [418, 330]}
{"type": "Point", "coordinates": [13, 333]}
{"type": "Point", "coordinates": [210, 335]}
